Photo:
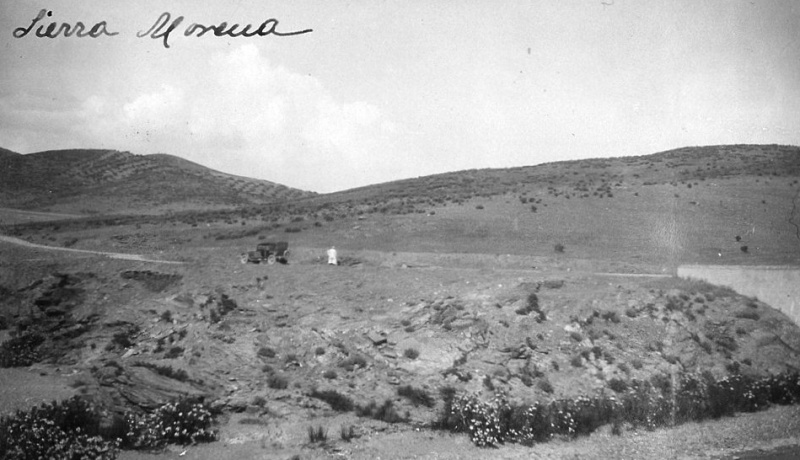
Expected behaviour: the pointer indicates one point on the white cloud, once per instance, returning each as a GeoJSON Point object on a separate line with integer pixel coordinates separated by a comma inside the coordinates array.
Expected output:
{"type": "Point", "coordinates": [154, 108]}
{"type": "Point", "coordinates": [244, 115]}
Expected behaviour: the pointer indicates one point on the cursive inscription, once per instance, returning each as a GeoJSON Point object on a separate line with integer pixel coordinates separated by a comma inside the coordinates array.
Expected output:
{"type": "Point", "coordinates": [161, 29]}
{"type": "Point", "coordinates": [54, 29]}
{"type": "Point", "coordinates": [164, 26]}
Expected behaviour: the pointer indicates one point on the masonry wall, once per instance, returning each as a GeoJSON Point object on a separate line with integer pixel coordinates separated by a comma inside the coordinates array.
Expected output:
{"type": "Point", "coordinates": [777, 286]}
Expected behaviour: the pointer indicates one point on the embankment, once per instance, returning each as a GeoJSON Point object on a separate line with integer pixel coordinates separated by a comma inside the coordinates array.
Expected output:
{"type": "Point", "coordinates": [777, 286]}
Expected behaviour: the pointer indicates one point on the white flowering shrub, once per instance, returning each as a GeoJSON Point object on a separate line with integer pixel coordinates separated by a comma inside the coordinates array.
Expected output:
{"type": "Point", "coordinates": [58, 430]}
{"type": "Point", "coordinates": [185, 421]}
{"type": "Point", "coordinates": [697, 397]}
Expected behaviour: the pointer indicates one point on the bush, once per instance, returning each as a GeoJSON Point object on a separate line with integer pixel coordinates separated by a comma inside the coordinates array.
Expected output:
{"type": "Point", "coordinates": [411, 353]}
{"type": "Point", "coordinates": [385, 412]}
{"type": "Point", "coordinates": [330, 374]}
{"type": "Point", "coordinates": [747, 314]}
{"type": "Point", "coordinates": [559, 248]}
{"type": "Point", "coordinates": [317, 435]}
{"type": "Point", "coordinates": [173, 353]}
{"type": "Point", "coordinates": [618, 385]}
{"type": "Point", "coordinates": [185, 421]}
{"type": "Point", "coordinates": [336, 400]}
{"type": "Point", "coordinates": [353, 362]}
{"type": "Point", "coordinates": [417, 396]}
{"type": "Point", "coordinates": [67, 429]}
{"type": "Point", "coordinates": [167, 371]}
{"type": "Point", "coordinates": [698, 397]}
{"type": "Point", "coordinates": [266, 352]}
{"type": "Point", "coordinates": [532, 305]}
{"type": "Point", "coordinates": [277, 382]}
{"type": "Point", "coordinates": [347, 433]}
{"type": "Point", "coordinates": [21, 351]}
{"type": "Point", "coordinates": [610, 316]}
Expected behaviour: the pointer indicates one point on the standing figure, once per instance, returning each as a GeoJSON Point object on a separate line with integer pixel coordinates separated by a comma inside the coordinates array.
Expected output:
{"type": "Point", "coordinates": [332, 256]}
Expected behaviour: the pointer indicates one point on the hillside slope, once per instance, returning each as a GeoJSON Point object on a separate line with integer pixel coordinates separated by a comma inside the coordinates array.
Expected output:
{"type": "Point", "coordinates": [108, 181]}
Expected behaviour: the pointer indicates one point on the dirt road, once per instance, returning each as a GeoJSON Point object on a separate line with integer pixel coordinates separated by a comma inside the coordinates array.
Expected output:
{"type": "Point", "coordinates": [112, 255]}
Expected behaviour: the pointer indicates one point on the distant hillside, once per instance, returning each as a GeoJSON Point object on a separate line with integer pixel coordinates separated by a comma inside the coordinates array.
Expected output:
{"type": "Point", "coordinates": [735, 204]}
{"type": "Point", "coordinates": [588, 177]}
{"type": "Point", "coordinates": [108, 181]}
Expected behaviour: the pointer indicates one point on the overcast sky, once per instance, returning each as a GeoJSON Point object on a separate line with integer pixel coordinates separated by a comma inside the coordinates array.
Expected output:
{"type": "Point", "coordinates": [385, 90]}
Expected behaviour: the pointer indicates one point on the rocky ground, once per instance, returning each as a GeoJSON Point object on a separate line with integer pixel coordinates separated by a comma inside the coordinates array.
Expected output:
{"type": "Point", "coordinates": [257, 340]}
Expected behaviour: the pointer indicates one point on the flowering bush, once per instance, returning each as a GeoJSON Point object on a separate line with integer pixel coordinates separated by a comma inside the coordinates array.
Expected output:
{"type": "Point", "coordinates": [69, 429]}
{"type": "Point", "coordinates": [21, 351]}
{"type": "Point", "coordinates": [697, 397]}
{"type": "Point", "coordinates": [183, 422]}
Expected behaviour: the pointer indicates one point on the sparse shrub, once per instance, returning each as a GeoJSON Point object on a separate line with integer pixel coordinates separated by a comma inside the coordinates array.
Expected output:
{"type": "Point", "coordinates": [385, 412]}
{"type": "Point", "coordinates": [637, 364]}
{"type": "Point", "coordinates": [624, 368]}
{"type": "Point", "coordinates": [266, 352]}
{"type": "Point", "coordinates": [353, 362]}
{"type": "Point", "coordinates": [277, 382]}
{"type": "Point", "coordinates": [330, 374]}
{"type": "Point", "coordinates": [576, 336]}
{"type": "Point", "coordinates": [618, 385]}
{"type": "Point", "coordinates": [348, 433]}
{"type": "Point", "coordinates": [174, 352]}
{"type": "Point", "coordinates": [167, 371]}
{"type": "Point", "coordinates": [319, 351]}
{"type": "Point", "coordinates": [317, 435]}
{"type": "Point", "coordinates": [487, 383]}
{"type": "Point", "coordinates": [336, 400]}
{"type": "Point", "coordinates": [576, 361]}
{"type": "Point", "coordinates": [747, 314]}
{"type": "Point", "coordinates": [546, 386]}
{"type": "Point", "coordinates": [612, 316]}
{"type": "Point", "coordinates": [166, 316]}
{"type": "Point", "coordinates": [744, 249]}
{"type": "Point", "coordinates": [411, 353]}
{"type": "Point", "coordinates": [417, 396]}
{"type": "Point", "coordinates": [631, 312]}
{"type": "Point", "coordinates": [121, 339]}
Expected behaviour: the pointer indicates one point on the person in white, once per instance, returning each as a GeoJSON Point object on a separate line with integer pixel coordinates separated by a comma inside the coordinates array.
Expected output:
{"type": "Point", "coordinates": [332, 256]}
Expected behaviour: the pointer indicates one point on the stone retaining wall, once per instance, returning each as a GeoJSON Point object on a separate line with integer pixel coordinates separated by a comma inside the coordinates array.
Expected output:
{"type": "Point", "coordinates": [777, 286]}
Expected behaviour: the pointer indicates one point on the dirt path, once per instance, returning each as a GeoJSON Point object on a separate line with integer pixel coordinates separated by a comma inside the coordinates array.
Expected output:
{"type": "Point", "coordinates": [112, 255]}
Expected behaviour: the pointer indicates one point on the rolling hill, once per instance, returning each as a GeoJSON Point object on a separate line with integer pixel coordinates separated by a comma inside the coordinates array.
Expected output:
{"type": "Point", "coordinates": [547, 286]}
{"type": "Point", "coordinates": [113, 182]}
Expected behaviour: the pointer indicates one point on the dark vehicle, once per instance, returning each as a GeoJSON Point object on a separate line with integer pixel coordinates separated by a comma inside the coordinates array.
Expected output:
{"type": "Point", "coordinates": [268, 252]}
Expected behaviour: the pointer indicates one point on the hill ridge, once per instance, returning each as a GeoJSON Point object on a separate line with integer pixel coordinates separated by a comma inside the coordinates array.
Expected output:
{"type": "Point", "coordinates": [105, 180]}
